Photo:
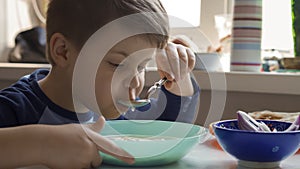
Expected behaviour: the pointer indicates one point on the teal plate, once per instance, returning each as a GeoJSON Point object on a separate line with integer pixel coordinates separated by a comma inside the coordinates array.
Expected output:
{"type": "Point", "coordinates": [152, 143]}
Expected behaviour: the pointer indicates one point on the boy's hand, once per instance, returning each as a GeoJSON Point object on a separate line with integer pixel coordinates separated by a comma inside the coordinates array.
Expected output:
{"type": "Point", "coordinates": [176, 62]}
{"type": "Point", "coordinates": [76, 146]}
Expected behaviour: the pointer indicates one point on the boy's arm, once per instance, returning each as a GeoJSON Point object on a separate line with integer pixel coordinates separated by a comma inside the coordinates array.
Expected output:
{"type": "Point", "coordinates": [63, 146]}
{"type": "Point", "coordinates": [20, 146]}
{"type": "Point", "coordinates": [180, 108]}
{"type": "Point", "coordinates": [184, 87]}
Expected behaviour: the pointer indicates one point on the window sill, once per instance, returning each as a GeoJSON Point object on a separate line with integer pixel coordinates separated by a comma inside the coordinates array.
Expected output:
{"type": "Point", "coordinates": [270, 83]}
{"type": "Point", "coordinates": [13, 71]}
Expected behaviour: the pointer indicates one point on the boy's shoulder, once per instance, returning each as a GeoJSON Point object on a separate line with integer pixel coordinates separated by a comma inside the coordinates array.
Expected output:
{"type": "Point", "coordinates": [21, 99]}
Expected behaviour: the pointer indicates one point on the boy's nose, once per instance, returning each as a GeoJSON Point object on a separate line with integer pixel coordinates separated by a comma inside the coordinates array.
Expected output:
{"type": "Point", "coordinates": [134, 87]}
{"type": "Point", "coordinates": [135, 83]}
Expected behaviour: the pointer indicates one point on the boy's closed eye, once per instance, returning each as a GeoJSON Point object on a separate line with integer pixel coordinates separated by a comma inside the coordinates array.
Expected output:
{"type": "Point", "coordinates": [115, 65]}
{"type": "Point", "coordinates": [140, 68]}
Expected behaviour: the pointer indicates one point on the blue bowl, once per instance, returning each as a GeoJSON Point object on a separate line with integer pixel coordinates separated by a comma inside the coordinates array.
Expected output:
{"type": "Point", "coordinates": [257, 149]}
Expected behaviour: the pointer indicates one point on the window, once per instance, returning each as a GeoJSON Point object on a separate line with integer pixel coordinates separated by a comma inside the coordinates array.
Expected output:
{"type": "Point", "coordinates": [277, 25]}
{"type": "Point", "coordinates": [187, 11]}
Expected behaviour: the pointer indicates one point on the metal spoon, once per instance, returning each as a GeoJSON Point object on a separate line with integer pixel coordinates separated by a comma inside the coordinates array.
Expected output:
{"type": "Point", "coordinates": [142, 102]}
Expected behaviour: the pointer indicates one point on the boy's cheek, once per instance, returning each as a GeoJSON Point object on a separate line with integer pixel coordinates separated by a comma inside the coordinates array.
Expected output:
{"type": "Point", "coordinates": [109, 110]}
{"type": "Point", "coordinates": [111, 115]}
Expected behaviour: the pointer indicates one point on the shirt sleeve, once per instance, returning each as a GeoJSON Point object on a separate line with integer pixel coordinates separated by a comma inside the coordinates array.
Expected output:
{"type": "Point", "coordinates": [8, 116]}
{"type": "Point", "coordinates": [168, 107]}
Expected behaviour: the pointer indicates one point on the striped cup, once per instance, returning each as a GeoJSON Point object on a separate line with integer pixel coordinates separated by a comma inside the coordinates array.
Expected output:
{"type": "Point", "coordinates": [246, 36]}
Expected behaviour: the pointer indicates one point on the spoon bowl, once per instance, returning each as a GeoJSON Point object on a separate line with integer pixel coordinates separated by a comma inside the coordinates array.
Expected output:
{"type": "Point", "coordinates": [134, 103]}
{"type": "Point", "coordinates": [142, 102]}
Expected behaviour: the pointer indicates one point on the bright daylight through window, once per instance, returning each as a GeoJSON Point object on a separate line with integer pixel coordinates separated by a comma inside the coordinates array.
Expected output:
{"type": "Point", "coordinates": [188, 11]}
{"type": "Point", "coordinates": [277, 25]}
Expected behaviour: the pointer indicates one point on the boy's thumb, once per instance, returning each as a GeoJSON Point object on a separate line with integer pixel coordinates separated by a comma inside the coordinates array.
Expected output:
{"type": "Point", "coordinates": [98, 125]}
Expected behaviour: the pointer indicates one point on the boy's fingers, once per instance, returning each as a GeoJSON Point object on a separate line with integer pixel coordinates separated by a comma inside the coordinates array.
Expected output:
{"type": "Point", "coordinates": [97, 127]}
{"type": "Point", "coordinates": [191, 59]}
{"type": "Point", "coordinates": [170, 79]}
{"type": "Point", "coordinates": [106, 146]}
{"type": "Point", "coordinates": [120, 154]}
{"type": "Point", "coordinates": [97, 161]}
{"type": "Point", "coordinates": [173, 58]}
{"type": "Point", "coordinates": [183, 59]}
{"type": "Point", "coordinates": [163, 63]}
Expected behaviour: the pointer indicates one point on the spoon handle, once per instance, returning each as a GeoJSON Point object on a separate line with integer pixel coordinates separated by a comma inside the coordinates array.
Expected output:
{"type": "Point", "coordinates": [156, 85]}
{"type": "Point", "coordinates": [160, 82]}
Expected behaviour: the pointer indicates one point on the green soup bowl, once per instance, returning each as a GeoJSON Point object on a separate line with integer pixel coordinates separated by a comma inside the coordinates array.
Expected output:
{"type": "Point", "coordinates": [152, 143]}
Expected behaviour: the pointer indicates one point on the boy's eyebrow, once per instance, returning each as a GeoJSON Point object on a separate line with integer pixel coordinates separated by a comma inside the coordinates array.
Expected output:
{"type": "Point", "coordinates": [125, 55]}
{"type": "Point", "coordinates": [147, 60]}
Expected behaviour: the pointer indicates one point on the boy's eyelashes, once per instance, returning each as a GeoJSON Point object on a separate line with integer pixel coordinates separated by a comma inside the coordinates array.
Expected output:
{"type": "Point", "coordinates": [140, 68]}
{"type": "Point", "coordinates": [115, 64]}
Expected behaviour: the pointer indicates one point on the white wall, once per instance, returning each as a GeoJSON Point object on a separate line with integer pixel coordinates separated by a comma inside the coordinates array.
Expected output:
{"type": "Point", "coordinates": [210, 8]}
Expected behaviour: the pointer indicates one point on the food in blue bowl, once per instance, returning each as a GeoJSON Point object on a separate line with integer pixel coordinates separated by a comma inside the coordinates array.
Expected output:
{"type": "Point", "coordinates": [261, 148]}
{"type": "Point", "coordinates": [152, 143]}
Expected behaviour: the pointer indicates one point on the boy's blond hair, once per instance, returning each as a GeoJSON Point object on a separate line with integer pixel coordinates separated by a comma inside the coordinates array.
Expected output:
{"type": "Point", "coordinates": [77, 20]}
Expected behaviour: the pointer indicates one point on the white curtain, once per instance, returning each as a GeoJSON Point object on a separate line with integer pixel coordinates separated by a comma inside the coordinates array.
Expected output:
{"type": "Point", "coordinates": [15, 16]}
{"type": "Point", "coordinates": [19, 16]}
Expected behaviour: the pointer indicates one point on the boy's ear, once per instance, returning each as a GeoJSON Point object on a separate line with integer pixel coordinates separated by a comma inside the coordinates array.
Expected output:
{"type": "Point", "coordinates": [58, 49]}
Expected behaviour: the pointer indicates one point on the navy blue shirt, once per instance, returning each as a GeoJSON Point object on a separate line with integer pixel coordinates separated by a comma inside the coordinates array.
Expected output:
{"type": "Point", "coordinates": [25, 103]}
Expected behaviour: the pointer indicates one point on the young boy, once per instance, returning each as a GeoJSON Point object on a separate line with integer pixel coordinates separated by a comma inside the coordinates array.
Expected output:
{"type": "Point", "coordinates": [49, 97]}
{"type": "Point", "coordinates": [46, 97]}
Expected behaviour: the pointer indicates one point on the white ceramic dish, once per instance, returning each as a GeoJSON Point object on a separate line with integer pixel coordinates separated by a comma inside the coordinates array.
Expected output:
{"type": "Point", "coordinates": [208, 61]}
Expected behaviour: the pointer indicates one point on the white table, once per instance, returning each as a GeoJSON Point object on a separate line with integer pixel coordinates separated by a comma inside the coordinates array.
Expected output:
{"type": "Point", "coordinates": [207, 156]}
